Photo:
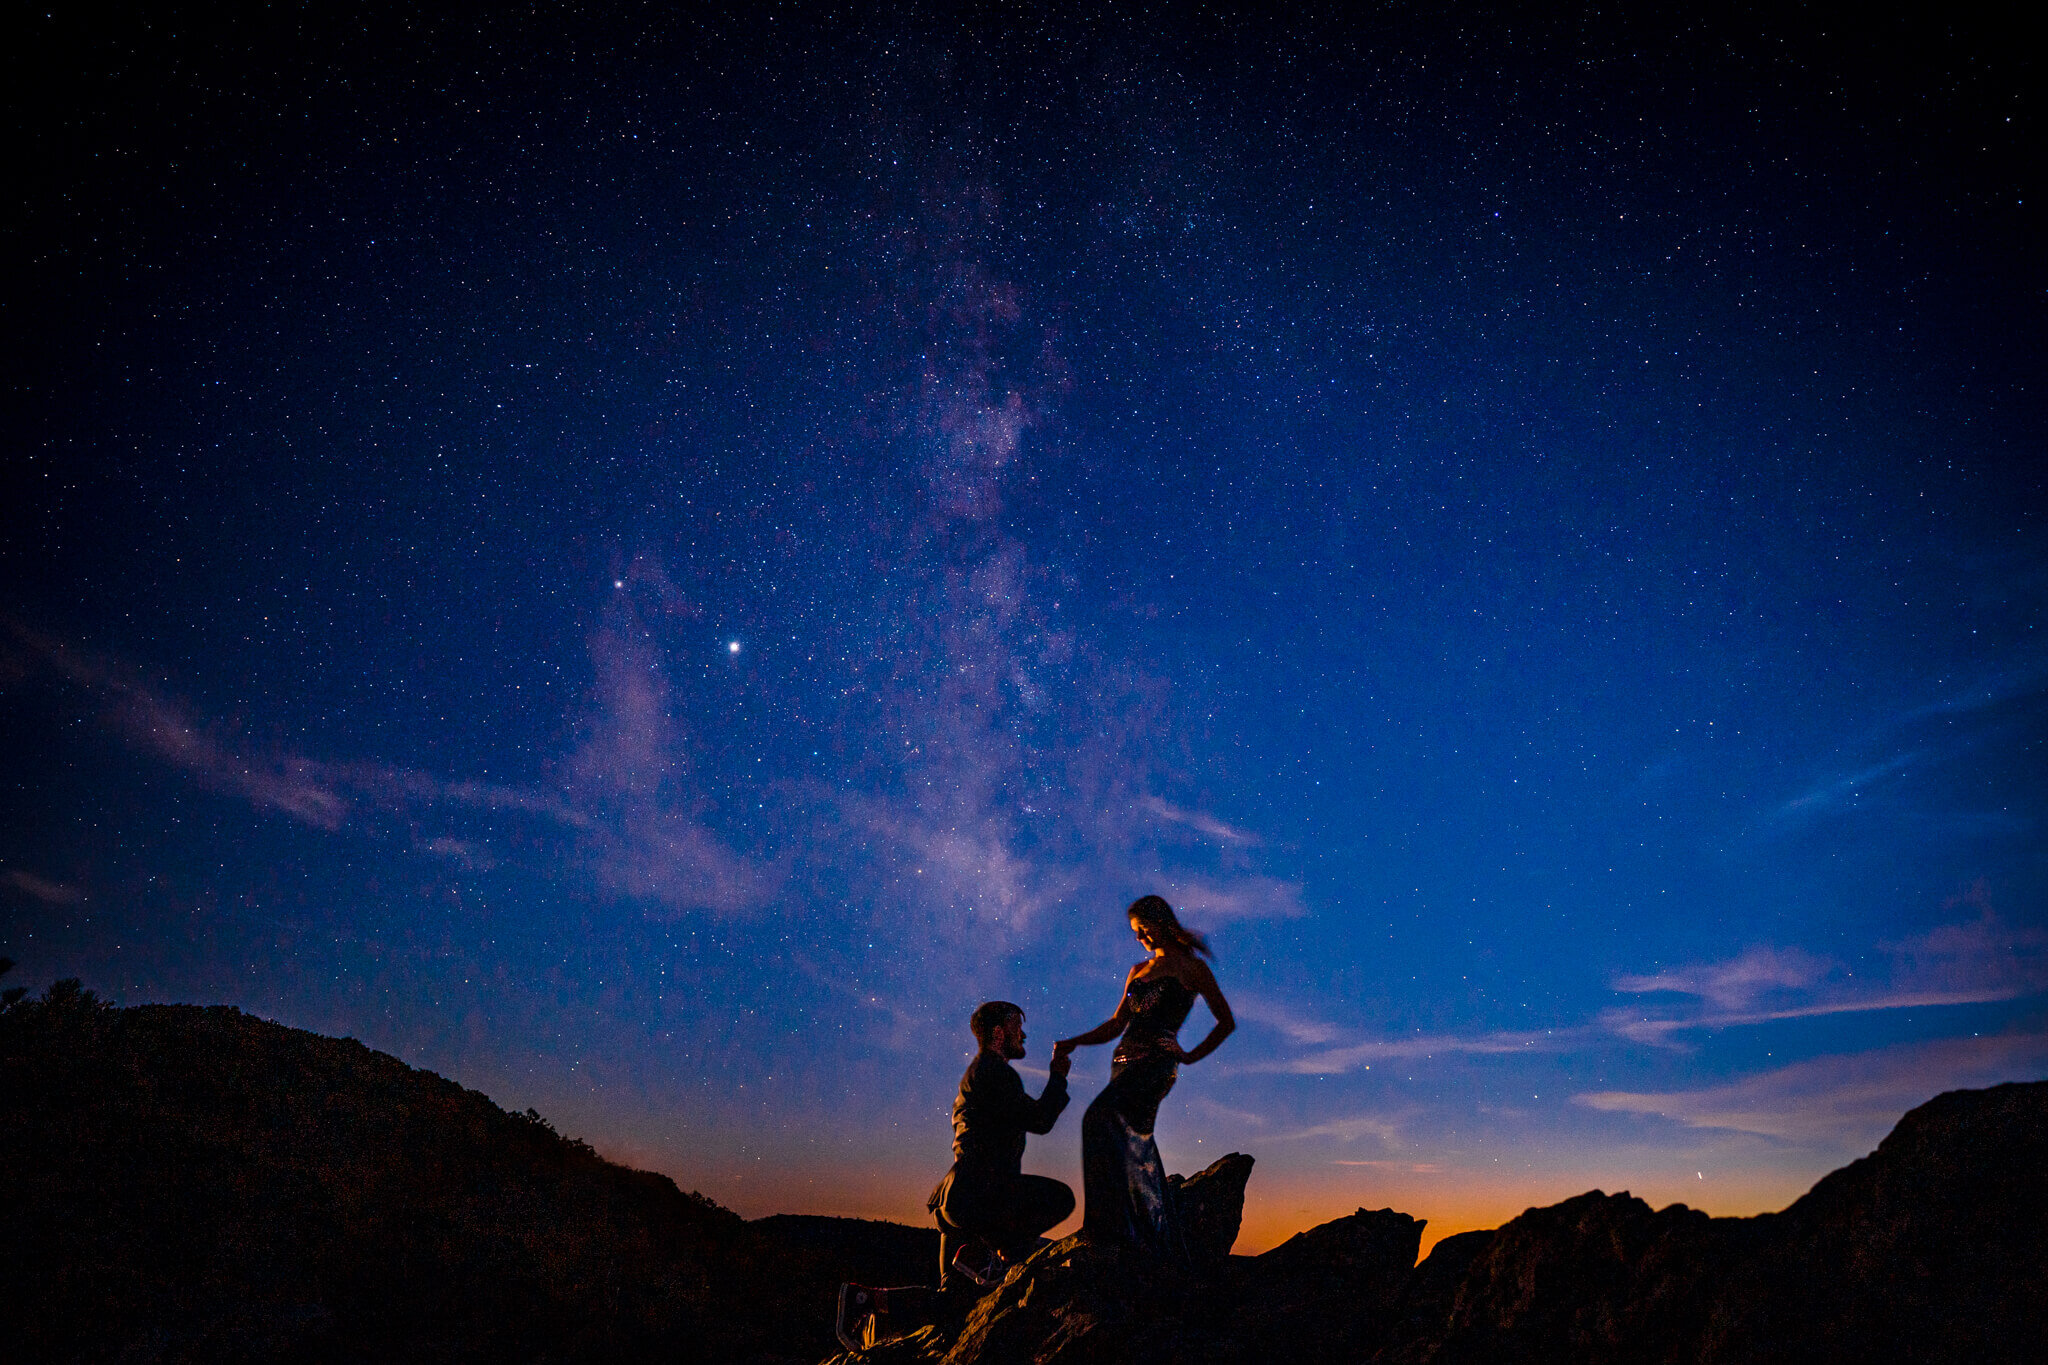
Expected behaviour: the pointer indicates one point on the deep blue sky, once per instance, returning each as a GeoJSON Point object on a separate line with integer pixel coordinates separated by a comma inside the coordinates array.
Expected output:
{"type": "Point", "coordinates": [647, 561]}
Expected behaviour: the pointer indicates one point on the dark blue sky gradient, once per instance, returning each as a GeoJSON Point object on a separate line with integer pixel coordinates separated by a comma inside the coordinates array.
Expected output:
{"type": "Point", "coordinates": [649, 560]}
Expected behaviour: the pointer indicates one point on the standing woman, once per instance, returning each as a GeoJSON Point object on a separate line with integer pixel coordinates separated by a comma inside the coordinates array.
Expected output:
{"type": "Point", "coordinates": [1128, 1200]}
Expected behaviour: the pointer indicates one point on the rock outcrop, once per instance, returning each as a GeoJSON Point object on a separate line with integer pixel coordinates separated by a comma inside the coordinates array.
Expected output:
{"type": "Point", "coordinates": [1211, 1205]}
{"type": "Point", "coordinates": [1934, 1248]}
{"type": "Point", "coordinates": [1331, 1292]}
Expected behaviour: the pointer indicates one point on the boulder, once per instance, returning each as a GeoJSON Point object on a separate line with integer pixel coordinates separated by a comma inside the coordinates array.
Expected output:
{"type": "Point", "coordinates": [1596, 1278]}
{"type": "Point", "coordinates": [1932, 1248]}
{"type": "Point", "coordinates": [1330, 1291]}
{"type": "Point", "coordinates": [1211, 1204]}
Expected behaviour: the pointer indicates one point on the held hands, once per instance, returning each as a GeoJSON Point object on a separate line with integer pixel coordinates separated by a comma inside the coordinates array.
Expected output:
{"type": "Point", "coordinates": [1062, 1058]}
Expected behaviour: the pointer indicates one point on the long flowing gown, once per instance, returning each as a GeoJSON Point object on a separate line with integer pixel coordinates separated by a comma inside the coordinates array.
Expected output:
{"type": "Point", "coordinates": [1128, 1200]}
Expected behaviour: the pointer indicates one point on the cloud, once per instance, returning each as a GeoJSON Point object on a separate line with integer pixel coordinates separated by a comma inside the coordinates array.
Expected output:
{"type": "Point", "coordinates": [1740, 981]}
{"type": "Point", "coordinates": [905, 1031]}
{"type": "Point", "coordinates": [1408, 1167]}
{"type": "Point", "coordinates": [980, 870]}
{"type": "Point", "coordinates": [1964, 721]}
{"type": "Point", "coordinates": [1846, 1101]}
{"type": "Point", "coordinates": [159, 725]}
{"type": "Point", "coordinates": [1349, 1129]}
{"type": "Point", "coordinates": [1198, 821]}
{"type": "Point", "coordinates": [1838, 790]}
{"type": "Point", "coordinates": [1348, 1057]}
{"type": "Point", "coordinates": [463, 852]}
{"type": "Point", "coordinates": [1968, 962]}
{"type": "Point", "coordinates": [1983, 959]}
{"type": "Point", "coordinates": [1259, 1010]}
{"type": "Point", "coordinates": [627, 800]}
{"type": "Point", "coordinates": [668, 859]}
{"type": "Point", "coordinates": [1248, 897]}
{"type": "Point", "coordinates": [398, 786]}
{"type": "Point", "coordinates": [647, 840]}
{"type": "Point", "coordinates": [48, 892]}
{"type": "Point", "coordinates": [1973, 962]}
{"type": "Point", "coordinates": [2010, 685]}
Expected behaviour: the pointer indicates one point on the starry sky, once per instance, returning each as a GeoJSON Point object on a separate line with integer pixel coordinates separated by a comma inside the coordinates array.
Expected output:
{"type": "Point", "coordinates": [647, 559]}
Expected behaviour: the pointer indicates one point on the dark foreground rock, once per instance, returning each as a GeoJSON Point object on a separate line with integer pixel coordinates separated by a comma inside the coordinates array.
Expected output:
{"type": "Point", "coordinates": [1933, 1248]}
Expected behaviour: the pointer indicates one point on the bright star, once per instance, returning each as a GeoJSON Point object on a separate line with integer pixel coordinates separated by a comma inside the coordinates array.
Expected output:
{"type": "Point", "coordinates": [732, 646]}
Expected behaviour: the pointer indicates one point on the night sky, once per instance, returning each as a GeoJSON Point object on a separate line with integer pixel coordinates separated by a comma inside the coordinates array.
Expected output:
{"type": "Point", "coordinates": [647, 560]}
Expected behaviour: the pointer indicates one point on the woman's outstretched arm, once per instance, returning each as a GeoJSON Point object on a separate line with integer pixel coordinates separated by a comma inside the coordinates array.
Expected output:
{"type": "Point", "coordinates": [1212, 994]}
{"type": "Point", "coordinates": [1109, 1028]}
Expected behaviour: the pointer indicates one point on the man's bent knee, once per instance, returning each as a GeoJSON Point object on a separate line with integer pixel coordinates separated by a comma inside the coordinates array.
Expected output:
{"type": "Point", "coordinates": [1050, 1201]}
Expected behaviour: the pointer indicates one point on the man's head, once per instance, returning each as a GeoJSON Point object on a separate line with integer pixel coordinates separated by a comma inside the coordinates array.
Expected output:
{"type": "Point", "coordinates": [999, 1027]}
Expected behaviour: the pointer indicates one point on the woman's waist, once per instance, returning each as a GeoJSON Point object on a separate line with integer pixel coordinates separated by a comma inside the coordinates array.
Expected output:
{"type": "Point", "coordinates": [1136, 1046]}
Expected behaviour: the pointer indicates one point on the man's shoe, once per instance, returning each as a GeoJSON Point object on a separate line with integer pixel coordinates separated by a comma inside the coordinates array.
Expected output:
{"type": "Point", "coordinates": [978, 1261]}
{"type": "Point", "coordinates": [870, 1315]}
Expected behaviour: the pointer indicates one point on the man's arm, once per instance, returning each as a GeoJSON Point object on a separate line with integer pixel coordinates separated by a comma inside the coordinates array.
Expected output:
{"type": "Point", "coordinates": [1019, 1109]}
{"type": "Point", "coordinates": [1046, 1108]}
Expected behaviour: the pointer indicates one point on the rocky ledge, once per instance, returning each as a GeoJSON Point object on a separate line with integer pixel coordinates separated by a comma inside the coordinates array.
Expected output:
{"type": "Point", "coordinates": [1933, 1248]}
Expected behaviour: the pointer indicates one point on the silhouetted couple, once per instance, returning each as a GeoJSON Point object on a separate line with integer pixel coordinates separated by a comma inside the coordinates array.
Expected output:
{"type": "Point", "coordinates": [987, 1201]}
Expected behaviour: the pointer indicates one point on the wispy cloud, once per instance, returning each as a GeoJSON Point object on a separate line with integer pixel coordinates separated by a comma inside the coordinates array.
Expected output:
{"type": "Point", "coordinates": [38, 888]}
{"type": "Point", "coordinates": [155, 722]}
{"type": "Point", "coordinates": [1348, 1129]}
{"type": "Point", "coordinates": [1984, 958]}
{"type": "Point", "coordinates": [1199, 821]}
{"type": "Point", "coordinates": [1226, 898]}
{"type": "Point", "coordinates": [1968, 962]}
{"type": "Point", "coordinates": [1973, 962]}
{"type": "Point", "coordinates": [1846, 1101]}
{"type": "Point", "coordinates": [1293, 1025]}
{"type": "Point", "coordinates": [626, 803]}
{"type": "Point", "coordinates": [465, 852]}
{"type": "Point", "coordinates": [1347, 1057]}
{"type": "Point", "coordinates": [1845, 787]}
{"type": "Point", "coordinates": [2027, 681]}
{"type": "Point", "coordinates": [905, 1031]}
{"type": "Point", "coordinates": [646, 839]}
{"type": "Point", "coordinates": [1408, 1167]}
{"type": "Point", "coordinates": [1739, 982]}
{"type": "Point", "coordinates": [1924, 737]}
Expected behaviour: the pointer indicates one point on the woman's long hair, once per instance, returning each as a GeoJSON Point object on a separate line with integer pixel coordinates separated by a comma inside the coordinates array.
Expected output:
{"type": "Point", "coordinates": [1156, 913]}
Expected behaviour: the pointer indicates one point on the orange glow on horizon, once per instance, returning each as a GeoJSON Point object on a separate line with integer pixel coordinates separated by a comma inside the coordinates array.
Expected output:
{"type": "Point", "coordinates": [1454, 1200]}
{"type": "Point", "coordinates": [1279, 1203]}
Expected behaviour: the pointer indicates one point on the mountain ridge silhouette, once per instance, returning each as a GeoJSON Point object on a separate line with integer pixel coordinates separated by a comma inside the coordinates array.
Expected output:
{"type": "Point", "coordinates": [192, 1183]}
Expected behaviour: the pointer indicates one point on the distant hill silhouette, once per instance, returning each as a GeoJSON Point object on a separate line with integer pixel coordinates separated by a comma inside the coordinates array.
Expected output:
{"type": "Point", "coordinates": [194, 1184]}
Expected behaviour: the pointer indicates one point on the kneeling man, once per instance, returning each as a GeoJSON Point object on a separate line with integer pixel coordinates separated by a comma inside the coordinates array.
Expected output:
{"type": "Point", "coordinates": [986, 1195]}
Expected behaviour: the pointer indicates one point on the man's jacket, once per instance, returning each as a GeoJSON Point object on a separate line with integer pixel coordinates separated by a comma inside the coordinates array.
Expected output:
{"type": "Point", "coordinates": [993, 1114]}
